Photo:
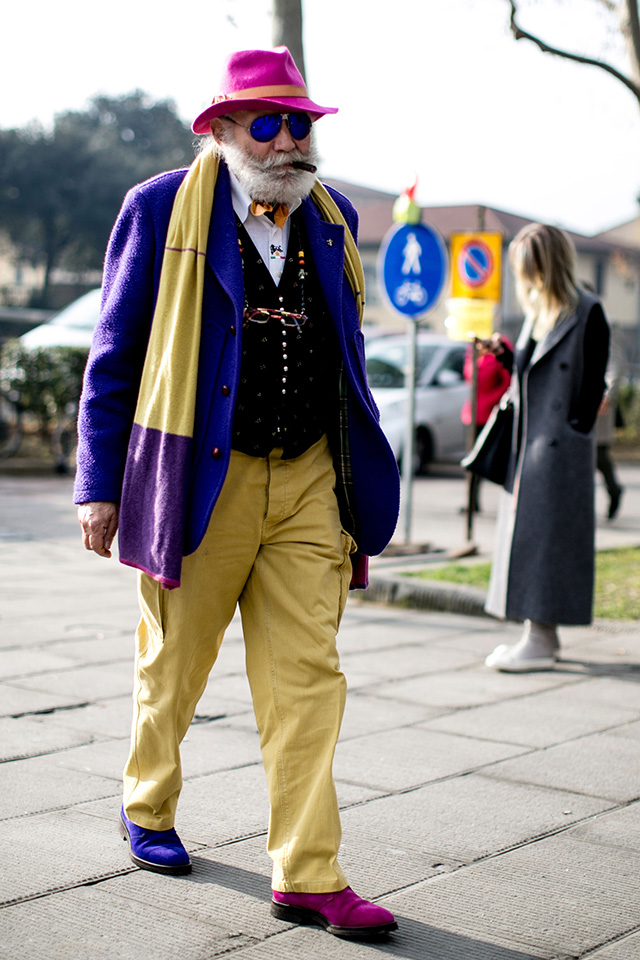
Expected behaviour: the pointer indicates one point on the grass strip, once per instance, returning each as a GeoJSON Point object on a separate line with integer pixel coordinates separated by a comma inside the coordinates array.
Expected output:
{"type": "Point", "coordinates": [617, 587]}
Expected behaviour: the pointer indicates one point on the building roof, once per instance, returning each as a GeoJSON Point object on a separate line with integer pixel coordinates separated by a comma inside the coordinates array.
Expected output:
{"type": "Point", "coordinates": [375, 209]}
{"type": "Point", "coordinates": [626, 233]}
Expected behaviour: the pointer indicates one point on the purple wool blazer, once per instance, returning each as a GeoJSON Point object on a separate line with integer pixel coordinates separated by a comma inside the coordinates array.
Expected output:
{"type": "Point", "coordinates": [130, 286]}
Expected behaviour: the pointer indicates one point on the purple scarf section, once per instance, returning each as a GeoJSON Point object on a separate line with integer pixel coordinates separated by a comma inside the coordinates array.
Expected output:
{"type": "Point", "coordinates": [152, 515]}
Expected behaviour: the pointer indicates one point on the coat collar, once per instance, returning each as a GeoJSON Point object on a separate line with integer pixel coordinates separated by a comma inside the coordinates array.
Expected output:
{"type": "Point", "coordinates": [559, 332]}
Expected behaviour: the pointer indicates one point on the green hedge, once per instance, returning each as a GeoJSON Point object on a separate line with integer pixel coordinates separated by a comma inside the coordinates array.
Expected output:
{"type": "Point", "coordinates": [45, 383]}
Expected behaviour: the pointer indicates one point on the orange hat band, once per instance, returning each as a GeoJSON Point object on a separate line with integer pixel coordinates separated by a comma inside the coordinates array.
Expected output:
{"type": "Point", "coordinates": [253, 93]}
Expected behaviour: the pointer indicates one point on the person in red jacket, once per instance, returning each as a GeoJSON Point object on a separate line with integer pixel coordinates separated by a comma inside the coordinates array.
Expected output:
{"type": "Point", "coordinates": [493, 379]}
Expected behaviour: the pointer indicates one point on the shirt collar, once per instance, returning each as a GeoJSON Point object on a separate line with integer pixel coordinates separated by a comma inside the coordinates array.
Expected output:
{"type": "Point", "coordinates": [242, 201]}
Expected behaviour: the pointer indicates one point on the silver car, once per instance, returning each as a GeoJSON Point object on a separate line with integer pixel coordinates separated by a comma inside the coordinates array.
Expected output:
{"type": "Point", "coordinates": [72, 326]}
{"type": "Point", "coordinates": [441, 391]}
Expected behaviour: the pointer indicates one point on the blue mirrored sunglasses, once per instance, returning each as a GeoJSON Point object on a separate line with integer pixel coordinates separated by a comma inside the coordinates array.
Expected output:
{"type": "Point", "coordinates": [264, 129]}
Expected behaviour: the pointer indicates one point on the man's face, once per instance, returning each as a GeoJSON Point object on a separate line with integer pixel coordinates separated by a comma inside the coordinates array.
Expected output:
{"type": "Point", "coordinates": [282, 144]}
{"type": "Point", "coordinates": [265, 170]}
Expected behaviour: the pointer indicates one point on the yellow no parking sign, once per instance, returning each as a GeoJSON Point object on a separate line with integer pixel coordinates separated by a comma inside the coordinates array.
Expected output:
{"type": "Point", "coordinates": [476, 260]}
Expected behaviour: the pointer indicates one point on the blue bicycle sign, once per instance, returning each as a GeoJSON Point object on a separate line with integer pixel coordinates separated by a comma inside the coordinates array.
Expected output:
{"type": "Point", "coordinates": [413, 268]}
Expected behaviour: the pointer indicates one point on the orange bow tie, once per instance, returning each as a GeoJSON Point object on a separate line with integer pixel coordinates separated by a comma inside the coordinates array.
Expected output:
{"type": "Point", "coordinates": [280, 211]}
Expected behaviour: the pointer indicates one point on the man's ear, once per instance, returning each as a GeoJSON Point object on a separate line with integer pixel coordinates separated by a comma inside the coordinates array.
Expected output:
{"type": "Point", "coordinates": [215, 130]}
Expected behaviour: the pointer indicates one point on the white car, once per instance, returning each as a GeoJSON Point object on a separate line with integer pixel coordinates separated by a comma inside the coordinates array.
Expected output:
{"type": "Point", "coordinates": [441, 391]}
{"type": "Point", "coordinates": [72, 326]}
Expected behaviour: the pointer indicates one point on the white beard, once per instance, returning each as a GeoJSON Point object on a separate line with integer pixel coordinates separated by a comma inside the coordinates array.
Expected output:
{"type": "Point", "coordinates": [272, 180]}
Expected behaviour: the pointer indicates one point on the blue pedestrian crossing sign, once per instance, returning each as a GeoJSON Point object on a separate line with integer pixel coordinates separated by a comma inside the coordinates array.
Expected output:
{"type": "Point", "coordinates": [413, 268]}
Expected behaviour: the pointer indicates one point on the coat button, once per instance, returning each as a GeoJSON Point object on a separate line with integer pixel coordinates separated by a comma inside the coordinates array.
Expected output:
{"type": "Point", "coordinates": [225, 390]}
{"type": "Point", "coordinates": [552, 442]}
{"type": "Point", "coordinates": [216, 453]}
{"type": "Point", "coordinates": [232, 330]}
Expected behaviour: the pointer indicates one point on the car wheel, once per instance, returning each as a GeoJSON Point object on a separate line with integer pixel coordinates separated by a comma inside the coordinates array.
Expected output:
{"type": "Point", "coordinates": [422, 452]}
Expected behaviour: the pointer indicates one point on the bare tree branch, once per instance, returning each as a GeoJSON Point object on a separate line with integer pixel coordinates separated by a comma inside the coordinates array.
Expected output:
{"type": "Point", "coordinates": [521, 34]}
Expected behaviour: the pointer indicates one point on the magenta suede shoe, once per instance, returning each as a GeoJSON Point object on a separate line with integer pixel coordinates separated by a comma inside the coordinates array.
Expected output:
{"type": "Point", "coordinates": [343, 914]}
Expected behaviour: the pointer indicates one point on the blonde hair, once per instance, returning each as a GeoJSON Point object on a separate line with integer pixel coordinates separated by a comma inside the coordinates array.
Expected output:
{"type": "Point", "coordinates": [543, 260]}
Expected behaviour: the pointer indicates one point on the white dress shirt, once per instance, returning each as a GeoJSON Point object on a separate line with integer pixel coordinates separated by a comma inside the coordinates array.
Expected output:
{"type": "Point", "coordinates": [269, 240]}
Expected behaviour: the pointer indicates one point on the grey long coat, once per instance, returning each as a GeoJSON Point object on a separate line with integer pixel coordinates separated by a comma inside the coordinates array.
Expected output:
{"type": "Point", "coordinates": [543, 565]}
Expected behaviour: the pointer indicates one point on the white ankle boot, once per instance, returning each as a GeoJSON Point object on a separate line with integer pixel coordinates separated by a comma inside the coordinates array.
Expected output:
{"type": "Point", "coordinates": [537, 649]}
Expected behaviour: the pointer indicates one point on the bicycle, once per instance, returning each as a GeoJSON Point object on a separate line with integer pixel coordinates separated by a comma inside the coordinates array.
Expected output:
{"type": "Point", "coordinates": [11, 423]}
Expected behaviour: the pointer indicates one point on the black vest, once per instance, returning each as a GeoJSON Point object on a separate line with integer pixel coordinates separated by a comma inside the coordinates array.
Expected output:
{"type": "Point", "coordinates": [288, 389]}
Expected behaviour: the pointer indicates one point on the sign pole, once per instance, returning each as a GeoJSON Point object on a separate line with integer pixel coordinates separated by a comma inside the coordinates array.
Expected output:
{"type": "Point", "coordinates": [409, 437]}
{"type": "Point", "coordinates": [413, 268]}
{"type": "Point", "coordinates": [472, 490]}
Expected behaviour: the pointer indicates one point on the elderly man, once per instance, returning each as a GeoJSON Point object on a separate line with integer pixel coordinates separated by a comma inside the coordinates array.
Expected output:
{"type": "Point", "coordinates": [227, 431]}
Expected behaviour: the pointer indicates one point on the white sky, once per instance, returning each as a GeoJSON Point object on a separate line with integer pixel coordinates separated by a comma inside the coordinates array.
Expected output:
{"type": "Point", "coordinates": [433, 87]}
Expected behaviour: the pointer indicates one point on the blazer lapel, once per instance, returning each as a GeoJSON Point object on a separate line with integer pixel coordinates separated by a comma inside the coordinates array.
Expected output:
{"type": "Point", "coordinates": [223, 254]}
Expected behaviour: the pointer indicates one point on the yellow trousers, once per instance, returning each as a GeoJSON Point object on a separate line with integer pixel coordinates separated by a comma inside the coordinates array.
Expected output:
{"type": "Point", "coordinates": [275, 546]}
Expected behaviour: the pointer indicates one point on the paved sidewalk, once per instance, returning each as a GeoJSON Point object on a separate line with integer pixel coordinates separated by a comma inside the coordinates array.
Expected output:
{"type": "Point", "coordinates": [496, 815]}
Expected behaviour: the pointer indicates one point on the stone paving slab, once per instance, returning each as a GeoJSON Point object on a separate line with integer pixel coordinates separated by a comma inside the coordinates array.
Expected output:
{"type": "Point", "coordinates": [39, 784]}
{"type": "Point", "coordinates": [404, 758]}
{"type": "Point", "coordinates": [92, 924]}
{"type": "Point", "coordinates": [366, 714]}
{"type": "Point", "coordinates": [469, 817]}
{"type": "Point", "coordinates": [104, 718]}
{"type": "Point", "coordinates": [57, 850]}
{"type": "Point", "coordinates": [408, 660]}
{"type": "Point", "coordinates": [627, 948]}
{"type": "Point", "coordinates": [563, 896]}
{"type": "Point", "coordinates": [601, 765]}
{"type": "Point", "coordinates": [92, 682]}
{"type": "Point", "coordinates": [618, 828]}
{"type": "Point", "coordinates": [466, 688]}
{"type": "Point", "coordinates": [415, 940]}
{"type": "Point", "coordinates": [16, 663]}
{"type": "Point", "coordinates": [546, 718]}
{"type": "Point", "coordinates": [36, 736]}
{"type": "Point", "coordinates": [235, 897]}
{"type": "Point", "coordinates": [16, 701]}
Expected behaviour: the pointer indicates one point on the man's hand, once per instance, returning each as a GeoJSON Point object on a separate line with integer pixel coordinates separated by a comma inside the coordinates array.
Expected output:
{"type": "Point", "coordinates": [99, 522]}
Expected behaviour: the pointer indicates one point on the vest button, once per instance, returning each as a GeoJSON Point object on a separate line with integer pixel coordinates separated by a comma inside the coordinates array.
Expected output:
{"type": "Point", "coordinates": [216, 453]}
{"type": "Point", "coordinates": [225, 390]}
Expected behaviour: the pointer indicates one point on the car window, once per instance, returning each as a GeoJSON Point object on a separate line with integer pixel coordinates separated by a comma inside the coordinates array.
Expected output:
{"type": "Point", "coordinates": [386, 363]}
{"type": "Point", "coordinates": [454, 361]}
{"type": "Point", "coordinates": [81, 313]}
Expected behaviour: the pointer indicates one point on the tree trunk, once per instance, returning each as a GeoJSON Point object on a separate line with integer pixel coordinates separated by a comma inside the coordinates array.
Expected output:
{"type": "Point", "coordinates": [287, 29]}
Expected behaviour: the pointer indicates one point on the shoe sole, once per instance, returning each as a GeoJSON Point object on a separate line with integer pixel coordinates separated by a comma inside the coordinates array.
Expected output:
{"type": "Point", "coordinates": [179, 870]}
{"type": "Point", "coordinates": [524, 666]}
{"type": "Point", "coordinates": [302, 915]}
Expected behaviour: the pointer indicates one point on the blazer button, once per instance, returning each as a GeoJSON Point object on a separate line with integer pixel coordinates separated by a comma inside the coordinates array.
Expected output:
{"type": "Point", "coordinates": [225, 390]}
{"type": "Point", "coordinates": [232, 330]}
{"type": "Point", "coordinates": [552, 442]}
{"type": "Point", "coordinates": [216, 453]}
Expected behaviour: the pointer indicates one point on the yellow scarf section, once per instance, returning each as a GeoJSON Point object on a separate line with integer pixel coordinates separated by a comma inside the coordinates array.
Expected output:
{"type": "Point", "coordinates": [167, 395]}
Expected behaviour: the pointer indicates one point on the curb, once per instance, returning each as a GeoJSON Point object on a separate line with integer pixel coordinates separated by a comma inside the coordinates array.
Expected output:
{"type": "Point", "coordinates": [425, 595]}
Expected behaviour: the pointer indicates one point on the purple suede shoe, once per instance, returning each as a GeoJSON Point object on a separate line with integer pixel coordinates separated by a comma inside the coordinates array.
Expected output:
{"type": "Point", "coordinates": [344, 914]}
{"type": "Point", "coordinates": [158, 850]}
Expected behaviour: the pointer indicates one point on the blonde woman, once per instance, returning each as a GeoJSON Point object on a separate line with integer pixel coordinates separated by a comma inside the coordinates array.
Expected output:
{"type": "Point", "coordinates": [543, 566]}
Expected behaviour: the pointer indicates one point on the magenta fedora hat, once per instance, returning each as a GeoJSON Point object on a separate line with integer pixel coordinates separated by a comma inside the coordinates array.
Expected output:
{"type": "Point", "coordinates": [255, 79]}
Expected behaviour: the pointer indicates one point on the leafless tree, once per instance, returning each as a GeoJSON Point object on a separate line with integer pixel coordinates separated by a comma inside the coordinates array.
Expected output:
{"type": "Point", "coordinates": [287, 29]}
{"type": "Point", "coordinates": [628, 13]}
